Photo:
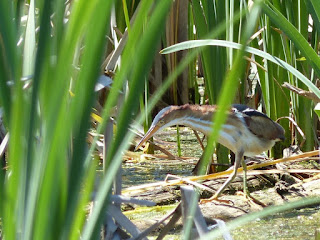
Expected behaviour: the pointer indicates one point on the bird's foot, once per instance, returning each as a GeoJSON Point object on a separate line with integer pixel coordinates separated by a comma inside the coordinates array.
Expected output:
{"type": "Point", "coordinates": [251, 199]}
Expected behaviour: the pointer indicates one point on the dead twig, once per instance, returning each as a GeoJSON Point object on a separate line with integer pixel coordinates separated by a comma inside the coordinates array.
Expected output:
{"type": "Point", "coordinates": [301, 92]}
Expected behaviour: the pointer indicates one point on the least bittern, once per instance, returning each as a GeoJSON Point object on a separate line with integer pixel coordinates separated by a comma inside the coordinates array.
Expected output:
{"type": "Point", "coordinates": [246, 131]}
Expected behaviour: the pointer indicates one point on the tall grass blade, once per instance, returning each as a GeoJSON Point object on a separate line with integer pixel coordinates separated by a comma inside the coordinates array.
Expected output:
{"type": "Point", "coordinates": [144, 48]}
{"type": "Point", "coordinates": [8, 57]}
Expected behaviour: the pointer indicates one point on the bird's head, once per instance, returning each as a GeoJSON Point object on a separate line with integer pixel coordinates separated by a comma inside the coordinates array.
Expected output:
{"type": "Point", "coordinates": [167, 117]}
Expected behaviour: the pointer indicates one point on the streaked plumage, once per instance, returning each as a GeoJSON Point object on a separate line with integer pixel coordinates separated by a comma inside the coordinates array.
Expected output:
{"type": "Point", "coordinates": [246, 131]}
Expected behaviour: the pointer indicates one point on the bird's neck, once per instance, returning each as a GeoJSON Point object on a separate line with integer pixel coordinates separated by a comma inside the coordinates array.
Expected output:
{"type": "Point", "coordinates": [202, 125]}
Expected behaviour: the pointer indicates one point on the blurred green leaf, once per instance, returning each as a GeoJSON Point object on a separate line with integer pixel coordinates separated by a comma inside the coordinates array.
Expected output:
{"type": "Point", "coordinates": [145, 49]}
{"type": "Point", "coordinates": [29, 43]}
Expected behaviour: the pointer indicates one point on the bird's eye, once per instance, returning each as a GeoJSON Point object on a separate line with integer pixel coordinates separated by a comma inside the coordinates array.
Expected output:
{"type": "Point", "coordinates": [161, 122]}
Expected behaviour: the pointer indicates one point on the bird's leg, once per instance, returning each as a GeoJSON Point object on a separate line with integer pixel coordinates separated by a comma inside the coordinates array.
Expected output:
{"type": "Point", "coordinates": [239, 156]}
{"type": "Point", "coordinates": [245, 186]}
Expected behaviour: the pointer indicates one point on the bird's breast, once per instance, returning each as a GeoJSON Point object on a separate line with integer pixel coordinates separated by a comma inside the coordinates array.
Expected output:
{"type": "Point", "coordinates": [238, 138]}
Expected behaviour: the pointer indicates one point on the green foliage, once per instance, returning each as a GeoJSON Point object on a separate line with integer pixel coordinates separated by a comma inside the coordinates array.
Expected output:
{"type": "Point", "coordinates": [283, 45]}
{"type": "Point", "coordinates": [50, 175]}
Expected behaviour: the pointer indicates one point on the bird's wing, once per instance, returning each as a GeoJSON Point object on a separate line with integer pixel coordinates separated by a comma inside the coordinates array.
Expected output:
{"type": "Point", "coordinates": [262, 126]}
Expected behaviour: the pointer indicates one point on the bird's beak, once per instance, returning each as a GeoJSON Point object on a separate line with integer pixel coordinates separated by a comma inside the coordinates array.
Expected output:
{"type": "Point", "coordinates": [147, 136]}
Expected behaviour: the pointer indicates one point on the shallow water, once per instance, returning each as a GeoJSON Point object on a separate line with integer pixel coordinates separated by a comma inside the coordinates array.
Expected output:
{"type": "Point", "coordinates": [140, 171]}
{"type": "Point", "coordinates": [152, 171]}
{"type": "Point", "coordinates": [295, 225]}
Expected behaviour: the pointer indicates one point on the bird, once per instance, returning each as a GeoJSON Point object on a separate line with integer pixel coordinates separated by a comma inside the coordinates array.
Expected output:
{"type": "Point", "coordinates": [246, 132]}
